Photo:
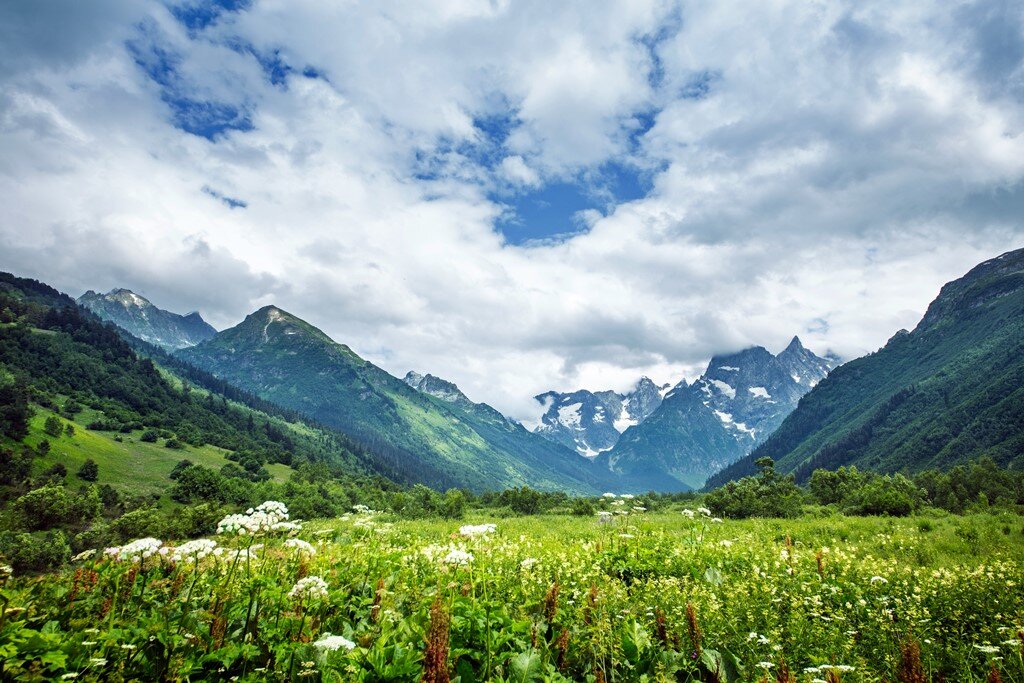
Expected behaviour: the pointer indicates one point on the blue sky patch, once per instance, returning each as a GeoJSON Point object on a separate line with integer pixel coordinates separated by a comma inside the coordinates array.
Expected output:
{"type": "Point", "coordinates": [205, 118]}
{"type": "Point", "coordinates": [196, 16]}
{"type": "Point", "coordinates": [230, 202]}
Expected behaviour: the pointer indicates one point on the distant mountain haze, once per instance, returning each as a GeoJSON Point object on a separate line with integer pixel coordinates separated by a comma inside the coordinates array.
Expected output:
{"type": "Point", "coordinates": [142, 319]}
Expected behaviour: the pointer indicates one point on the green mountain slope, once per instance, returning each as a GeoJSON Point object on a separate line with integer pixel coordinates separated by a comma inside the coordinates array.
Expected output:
{"type": "Point", "coordinates": [948, 392]}
{"type": "Point", "coordinates": [284, 359]}
{"type": "Point", "coordinates": [58, 357]}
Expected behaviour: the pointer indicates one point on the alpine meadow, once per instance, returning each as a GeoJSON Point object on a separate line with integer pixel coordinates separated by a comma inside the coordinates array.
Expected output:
{"type": "Point", "coordinates": [505, 341]}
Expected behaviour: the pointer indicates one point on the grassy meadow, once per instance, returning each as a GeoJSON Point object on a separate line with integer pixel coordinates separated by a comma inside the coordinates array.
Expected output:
{"type": "Point", "coordinates": [669, 596]}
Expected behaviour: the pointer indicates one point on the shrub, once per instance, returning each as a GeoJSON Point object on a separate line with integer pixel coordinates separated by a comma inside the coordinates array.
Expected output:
{"type": "Point", "coordinates": [89, 471]}
{"type": "Point", "coordinates": [35, 552]}
{"type": "Point", "coordinates": [149, 436]}
{"type": "Point", "coordinates": [52, 505]}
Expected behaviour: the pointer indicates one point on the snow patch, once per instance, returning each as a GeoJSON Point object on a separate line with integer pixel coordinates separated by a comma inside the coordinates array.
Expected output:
{"type": "Point", "coordinates": [726, 418]}
{"type": "Point", "coordinates": [570, 415]}
{"type": "Point", "coordinates": [796, 378]}
{"type": "Point", "coordinates": [728, 368]}
{"type": "Point", "coordinates": [724, 388]}
{"type": "Point", "coordinates": [759, 392]}
{"type": "Point", "coordinates": [624, 421]}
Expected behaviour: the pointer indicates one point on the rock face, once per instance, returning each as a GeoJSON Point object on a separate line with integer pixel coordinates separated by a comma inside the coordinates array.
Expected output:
{"type": "Point", "coordinates": [950, 391]}
{"type": "Point", "coordinates": [429, 432]}
{"type": "Point", "coordinates": [139, 317]}
{"type": "Point", "coordinates": [590, 422]}
{"type": "Point", "coordinates": [735, 405]}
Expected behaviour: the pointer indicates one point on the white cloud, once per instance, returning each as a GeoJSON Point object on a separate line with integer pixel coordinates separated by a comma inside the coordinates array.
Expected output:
{"type": "Point", "coordinates": [818, 169]}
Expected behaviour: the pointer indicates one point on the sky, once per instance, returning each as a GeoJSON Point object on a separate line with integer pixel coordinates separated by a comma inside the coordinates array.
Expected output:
{"type": "Point", "coordinates": [518, 196]}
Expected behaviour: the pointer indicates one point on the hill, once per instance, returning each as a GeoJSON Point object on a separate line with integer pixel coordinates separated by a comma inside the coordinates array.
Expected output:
{"type": "Point", "coordinates": [950, 391]}
{"type": "Point", "coordinates": [435, 441]}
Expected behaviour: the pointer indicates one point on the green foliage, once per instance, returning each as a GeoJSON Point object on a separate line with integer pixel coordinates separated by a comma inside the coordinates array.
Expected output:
{"type": "Point", "coordinates": [769, 494]}
{"type": "Point", "coordinates": [53, 426]}
{"type": "Point", "coordinates": [37, 552]}
{"type": "Point", "coordinates": [14, 409]}
{"type": "Point", "coordinates": [89, 471]}
{"type": "Point", "coordinates": [54, 505]}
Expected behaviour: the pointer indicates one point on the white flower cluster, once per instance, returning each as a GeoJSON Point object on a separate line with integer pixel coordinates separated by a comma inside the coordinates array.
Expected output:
{"type": "Point", "coordinates": [300, 545]}
{"type": "Point", "coordinates": [331, 643]}
{"type": "Point", "coordinates": [363, 510]}
{"type": "Point", "coordinates": [194, 551]}
{"type": "Point", "coordinates": [243, 554]}
{"type": "Point", "coordinates": [528, 563]}
{"type": "Point", "coordinates": [267, 516]}
{"type": "Point", "coordinates": [690, 514]}
{"type": "Point", "coordinates": [309, 588]}
{"type": "Point", "coordinates": [458, 557]}
{"type": "Point", "coordinates": [137, 550]}
{"type": "Point", "coordinates": [84, 555]}
{"type": "Point", "coordinates": [477, 529]}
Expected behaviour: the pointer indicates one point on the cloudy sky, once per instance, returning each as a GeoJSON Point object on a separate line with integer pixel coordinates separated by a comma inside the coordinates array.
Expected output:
{"type": "Point", "coordinates": [518, 195]}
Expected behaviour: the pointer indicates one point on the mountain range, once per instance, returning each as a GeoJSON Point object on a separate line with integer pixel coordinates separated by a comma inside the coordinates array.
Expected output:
{"type": "Point", "coordinates": [702, 427]}
{"type": "Point", "coordinates": [947, 392]}
{"type": "Point", "coordinates": [950, 391]}
{"type": "Point", "coordinates": [139, 317]}
{"type": "Point", "coordinates": [590, 422]}
{"type": "Point", "coordinates": [425, 429]}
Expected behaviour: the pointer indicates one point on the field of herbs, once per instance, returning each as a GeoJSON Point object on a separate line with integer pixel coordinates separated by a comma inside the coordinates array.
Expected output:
{"type": "Point", "coordinates": [668, 596]}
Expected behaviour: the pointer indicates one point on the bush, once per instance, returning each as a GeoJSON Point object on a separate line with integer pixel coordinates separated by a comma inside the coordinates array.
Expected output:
{"type": "Point", "coordinates": [51, 506]}
{"type": "Point", "coordinates": [149, 436]}
{"type": "Point", "coordinates": [174, 443]}
{"type": "Point", "coordinates": [581, 507]}
{"type": "Point", "coordinates": [894, 496]}
{"type": "Point", "coordinates": [35, 552]}
{"type": "Point", "coordinates": [53, 426]}
{"type": "Point", "coordinates": [89, 471]}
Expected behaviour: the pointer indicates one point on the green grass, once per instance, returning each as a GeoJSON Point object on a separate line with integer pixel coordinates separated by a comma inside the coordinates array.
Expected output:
{"type": "Point", "coordinates": [644, 598]}
{"type": "Point", "coordinates": [130, 465]}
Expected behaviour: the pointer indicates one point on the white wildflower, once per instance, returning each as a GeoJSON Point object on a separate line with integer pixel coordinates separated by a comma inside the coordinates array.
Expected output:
{"type": "Point", "coordinates": [477, 529]}
{"type": "Point", "coordinates": [704, 511]}
{"type": "Point", "coordinates": [194, 551]}
{"type": "Point", "coordinates": [300, 545]}
{"type": "Point", "coordinates": [528, 562]}
{"type": "Point", "coordinates": [608, 495]}
{"type": "Point", "coordinates": [136, 551]}
{"type": "Point", "coordinates": [879, 579]}
{"type": "Point", "coordinates": [331, 643]}
{"type": "Point", "coordinates": [254, 521]}
{"type": "Point", "coordinates": [458, 557]}
{"type": "Point", "coordinates": [688, 513]}
{"type": "Point", "coordinates": [84, 555]}
{"type": "Point", "coordinates": [309, 588]}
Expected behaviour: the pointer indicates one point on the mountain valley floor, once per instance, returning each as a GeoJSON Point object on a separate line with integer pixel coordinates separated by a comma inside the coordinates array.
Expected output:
{"type": "Point", "coordinates": [642, 596]}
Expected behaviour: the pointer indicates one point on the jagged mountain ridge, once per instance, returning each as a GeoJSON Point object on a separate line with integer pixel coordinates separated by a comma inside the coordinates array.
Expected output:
{"type": "Point", "coordinates": [735, 405]}
{"type": "Point", "coordinates": [950, 391]}
{"type": "Point", "coordinates": [284, 359]}
{"type": "Point", "coordinates": [591, 422]}
{"type": "Point", "coordinates": [140, 318]}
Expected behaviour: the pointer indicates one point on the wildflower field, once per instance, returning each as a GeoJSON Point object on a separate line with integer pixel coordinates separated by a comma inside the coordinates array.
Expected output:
{"type": "Point", "coordinates": [667, 596]}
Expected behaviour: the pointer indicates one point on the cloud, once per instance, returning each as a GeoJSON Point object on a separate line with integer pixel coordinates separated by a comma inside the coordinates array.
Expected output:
{"type": "Point", "coordinates": [814, 169]}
